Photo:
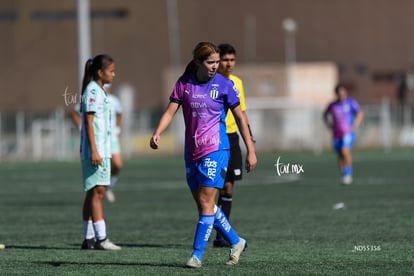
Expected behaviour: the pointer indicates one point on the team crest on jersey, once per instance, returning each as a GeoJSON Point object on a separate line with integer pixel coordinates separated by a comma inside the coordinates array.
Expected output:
{"type": "Point", "coordinates": [104, 173]}
{"type": "Point", "coordinates": [214, 93]}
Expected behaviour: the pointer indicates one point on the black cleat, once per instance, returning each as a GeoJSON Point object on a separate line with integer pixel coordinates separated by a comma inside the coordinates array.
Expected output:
{"type": "Point", "coordinates": [88, 244]}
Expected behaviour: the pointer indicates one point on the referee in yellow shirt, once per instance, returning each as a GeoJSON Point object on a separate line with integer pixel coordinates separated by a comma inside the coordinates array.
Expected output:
{"type": "Point", "coordinates": [235, 166]}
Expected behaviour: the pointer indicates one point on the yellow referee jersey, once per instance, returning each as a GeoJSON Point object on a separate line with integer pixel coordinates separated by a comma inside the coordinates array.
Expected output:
{"type": "Point", "coordinates": [231, 125]}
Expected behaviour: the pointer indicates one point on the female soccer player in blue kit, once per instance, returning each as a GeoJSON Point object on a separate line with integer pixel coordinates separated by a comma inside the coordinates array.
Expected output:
{"type": "Point", "coordinates": [205, 98]}
{"type": "Point", "coordinates": [343, 116]}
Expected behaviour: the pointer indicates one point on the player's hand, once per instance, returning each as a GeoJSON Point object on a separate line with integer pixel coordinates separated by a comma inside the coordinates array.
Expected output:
{"type": "Point", "coordinates": [354, 128]}
{"type": "Point", "coordinates": [154, 142]}
{"type": "Point", "coordinates": [96, 159]}
{"type": "Point", "coordinates": [251, 162]}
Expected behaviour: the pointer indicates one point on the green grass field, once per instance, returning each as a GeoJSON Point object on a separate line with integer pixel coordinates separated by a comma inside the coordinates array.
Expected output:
{"type": "Point", "coordinates": [288, 220]}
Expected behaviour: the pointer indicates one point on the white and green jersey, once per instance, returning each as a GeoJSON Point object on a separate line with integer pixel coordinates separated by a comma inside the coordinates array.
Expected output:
{"type": "Point", "coordinates": [96, 100]}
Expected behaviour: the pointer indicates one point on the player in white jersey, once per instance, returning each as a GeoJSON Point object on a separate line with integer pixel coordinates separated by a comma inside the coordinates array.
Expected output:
{"type": "Point", "coordinates": [95, 149]}
{"type": "Point", "coordinates": [116, 123]}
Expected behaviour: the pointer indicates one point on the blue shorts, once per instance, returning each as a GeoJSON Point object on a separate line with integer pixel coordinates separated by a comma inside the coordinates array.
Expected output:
{"type": "Point", "coordinates": [208, 171]}
{"type": "Point", "coordinates": [345, 141]}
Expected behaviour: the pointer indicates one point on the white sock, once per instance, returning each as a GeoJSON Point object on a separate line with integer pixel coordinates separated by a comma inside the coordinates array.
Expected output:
{"type": "Point", "coordinates": [100, 229]}
{"type": "Point", "coordinates": [88, 231]}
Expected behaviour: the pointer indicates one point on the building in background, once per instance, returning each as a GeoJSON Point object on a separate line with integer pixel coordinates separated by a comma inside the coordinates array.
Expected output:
{"type": "Point", "coordinates": [367, 42]}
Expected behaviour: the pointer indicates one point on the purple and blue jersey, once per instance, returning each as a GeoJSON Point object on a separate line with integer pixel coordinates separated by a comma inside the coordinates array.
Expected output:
{"type": "Point", "coordinates": [205, 106]}
{"type": "Point", "coordinates": [343, 115]}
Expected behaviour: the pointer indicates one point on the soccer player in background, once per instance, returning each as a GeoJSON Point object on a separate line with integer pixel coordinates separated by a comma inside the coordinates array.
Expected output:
{"type": "Point", "coordinates": [95, 149]}
{"type": "Point", "coordinates": [235, 166]}
{"type": "Point", "coordinates": [205, 97]}
{"type": "Point", "coordinates": [116, 123]}
{"type": "Point", "coordinates": [343, 116]}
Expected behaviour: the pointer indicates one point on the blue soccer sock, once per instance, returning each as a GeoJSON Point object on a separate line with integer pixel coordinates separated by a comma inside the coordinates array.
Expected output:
{"type": "Point", "coordinates": [347, 170]}
{"type": "Point", "coordinates": [203, 231]}
{"type": "Point", "coordinates": [223, 227]}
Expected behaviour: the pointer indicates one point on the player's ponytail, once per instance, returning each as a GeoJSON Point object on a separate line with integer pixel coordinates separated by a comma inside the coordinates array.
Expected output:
{"type": "Point", "coordinates": [191, 68]}
{"type": "Point", "coordinates": [92, 66]}
{"type": "Point", "coordinates": [88, 74]}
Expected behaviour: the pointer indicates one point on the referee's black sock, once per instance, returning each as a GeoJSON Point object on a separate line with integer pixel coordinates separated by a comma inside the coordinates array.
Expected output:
{"type": "Point", "coordinates": [225, 203]}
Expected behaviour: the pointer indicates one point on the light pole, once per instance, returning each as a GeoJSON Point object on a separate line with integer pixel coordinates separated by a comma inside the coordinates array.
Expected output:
{"type": "Point", "coordinates": [84, 37]}
{"type": "Point", "coordinates": [290, 117]}
{"type": "Point", "coordinates": [290, 27]}
{"type": "Point", "coordinates": [173, 32]}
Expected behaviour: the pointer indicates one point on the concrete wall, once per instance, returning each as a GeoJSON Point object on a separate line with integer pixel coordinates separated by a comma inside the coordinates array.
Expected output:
{"type": "Point", "coordinates": [39, 43]}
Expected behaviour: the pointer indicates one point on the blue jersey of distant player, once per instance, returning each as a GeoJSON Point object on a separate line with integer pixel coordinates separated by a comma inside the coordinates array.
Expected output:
{"type": "Point", "coordinates": [343, 115]}
{"type": "Point", "coordinates": [205, 106]}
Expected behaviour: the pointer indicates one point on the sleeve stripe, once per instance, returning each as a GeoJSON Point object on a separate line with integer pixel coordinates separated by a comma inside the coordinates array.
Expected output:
{"type": "Point", "coordinates": [235, 105]}
{"type": "Point", "coordinates": [175, 100]}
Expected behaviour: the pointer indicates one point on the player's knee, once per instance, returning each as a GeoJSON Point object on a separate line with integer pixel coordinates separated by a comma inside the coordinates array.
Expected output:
{"type": "Point", "coordinates": [115, 170]}
{"type": "Point", "coordinates": [345, 151]}
{"type": "Point", "coordinates": [227, 189]}
{"type": "Point", "coordinates": [116, 167]}
{"type": "Point", "coordinates": [205, 204]}
{"type": "Point", "coordinates": [99, 192]}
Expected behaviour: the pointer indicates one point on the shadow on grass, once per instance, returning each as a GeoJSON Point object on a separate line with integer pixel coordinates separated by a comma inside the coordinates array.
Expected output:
{"type": "Point", "coordinates": [146, 245]}
{"type": "Point", "coordinates": [39, 247]}
{"type": "Point", "coordinates": [60, 263]}
{"type": "Point", "coordinates": [77, 246]}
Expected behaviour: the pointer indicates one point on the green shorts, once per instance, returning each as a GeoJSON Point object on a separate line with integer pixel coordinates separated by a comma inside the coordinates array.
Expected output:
{"type": "Point", "coordinates": [96, 175]}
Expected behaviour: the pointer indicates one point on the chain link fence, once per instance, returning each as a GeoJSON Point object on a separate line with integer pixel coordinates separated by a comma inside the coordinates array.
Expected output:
{"type": "Point", "coordinates": [283, 127]}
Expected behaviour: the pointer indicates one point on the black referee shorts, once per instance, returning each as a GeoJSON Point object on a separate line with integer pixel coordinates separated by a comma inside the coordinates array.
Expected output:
{"type": "Point", "coordinates": [234, 168]}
